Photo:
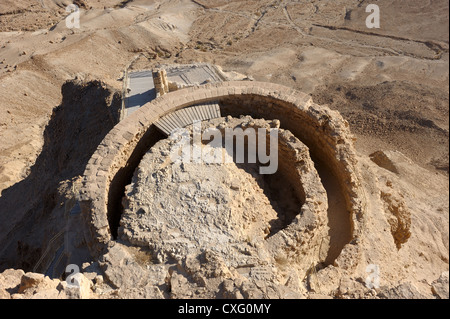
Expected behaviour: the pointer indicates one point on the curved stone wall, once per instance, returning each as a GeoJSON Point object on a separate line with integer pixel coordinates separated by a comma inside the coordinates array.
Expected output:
{"type": "Point", "coordinates": [324, 131]}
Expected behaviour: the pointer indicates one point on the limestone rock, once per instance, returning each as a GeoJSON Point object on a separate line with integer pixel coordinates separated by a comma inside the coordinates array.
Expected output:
{"type": "Point", "coordinates": [79, 288]}
{"type": "Point", "coordinates": [403, 291]}
{"type": "Point", "coordinates": [15, 284]}
{"type": "Point", "coordinates": [140, 293]}
{"type": "Point", "coordinates": [38, 286]}
{"type": "Point", "coordinates": [30, 280]}
{"type": "Point", "coordinates": [440, 287]}
{"type": "Point", "coordinates": [118, 261]}
{"type": "Point", "coordinates": [4, 294]}
{"type": "Point", "coordinates": [10, 280]}
{"type": "Point", "coordinates": [354, 289]}
{"type": "Point", "coordinates": [319, 297]}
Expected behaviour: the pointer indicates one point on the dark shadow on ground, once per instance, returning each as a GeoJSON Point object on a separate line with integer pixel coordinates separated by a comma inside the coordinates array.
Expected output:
{"type": "Point", "coordinates": [32, 211]}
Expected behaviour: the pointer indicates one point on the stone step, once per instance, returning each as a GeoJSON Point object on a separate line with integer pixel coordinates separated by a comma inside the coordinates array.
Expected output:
{"type": "Point", "coordinates": [187, 116]}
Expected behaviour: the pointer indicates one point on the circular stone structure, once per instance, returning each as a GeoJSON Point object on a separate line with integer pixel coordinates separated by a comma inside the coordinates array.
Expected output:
{"type": "Point", "coordinates": [324, 132]}
{"type": "Point", "coordinates": [179, 208]}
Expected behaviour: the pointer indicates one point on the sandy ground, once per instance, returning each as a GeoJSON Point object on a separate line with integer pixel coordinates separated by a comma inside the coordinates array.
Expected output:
{"type": "Point", "coordinates": [391, 83]}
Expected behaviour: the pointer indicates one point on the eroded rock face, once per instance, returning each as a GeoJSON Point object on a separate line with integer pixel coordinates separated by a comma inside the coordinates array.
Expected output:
{"type": "Point", "coordinates": [440, 286]}
{"type": "Point", "coordinates": [183, 212]}
{"type": "Point", "coordinates": [180, 208]}
{"type": "Point", "coordinates": [15, 284]}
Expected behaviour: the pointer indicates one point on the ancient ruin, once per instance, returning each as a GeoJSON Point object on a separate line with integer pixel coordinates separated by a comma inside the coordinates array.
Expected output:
{"type": "Point", "coordinates": [308, 131]}
{"type": "Point", "coordinates": [138, 154]}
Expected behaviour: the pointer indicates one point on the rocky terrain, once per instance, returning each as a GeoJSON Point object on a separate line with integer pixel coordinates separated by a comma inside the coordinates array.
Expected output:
{"type": "Point", "coordinates": [61, 91]}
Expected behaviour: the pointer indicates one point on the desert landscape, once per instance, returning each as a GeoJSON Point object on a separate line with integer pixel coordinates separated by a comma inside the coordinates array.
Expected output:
{"type": "Point", "coordinates": [359, 209]}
